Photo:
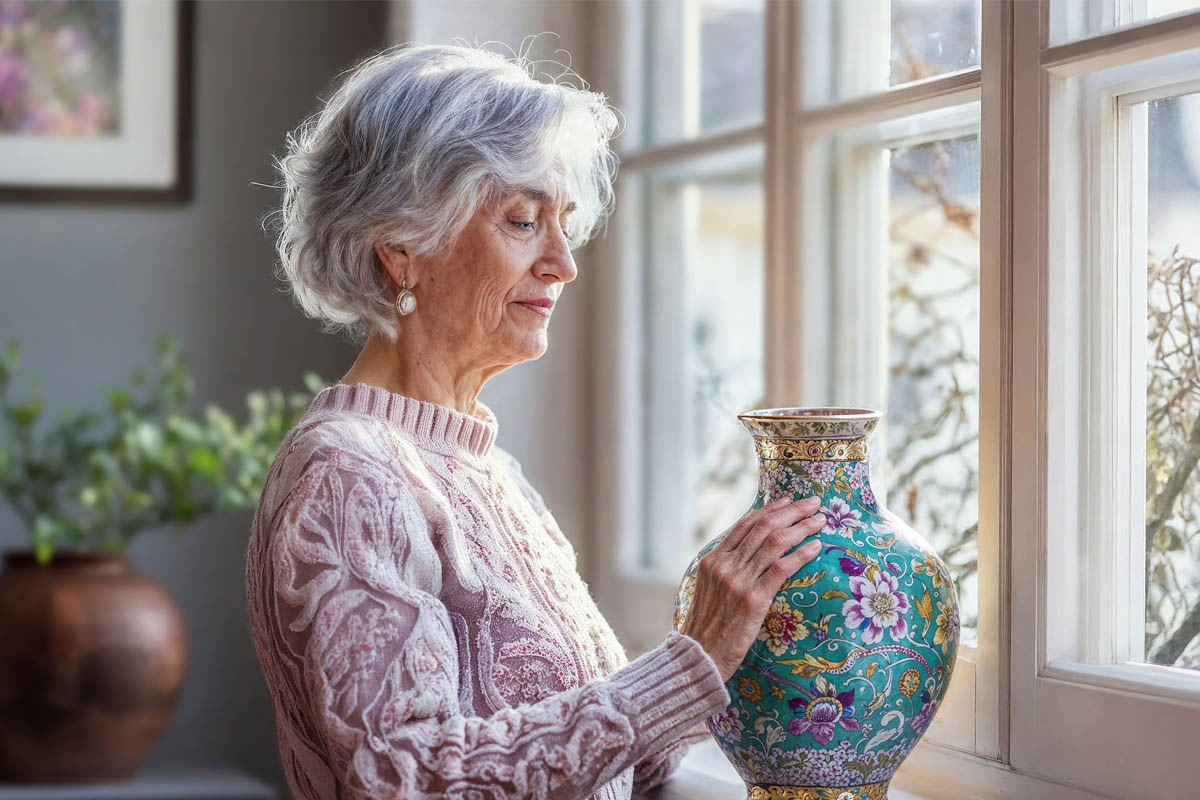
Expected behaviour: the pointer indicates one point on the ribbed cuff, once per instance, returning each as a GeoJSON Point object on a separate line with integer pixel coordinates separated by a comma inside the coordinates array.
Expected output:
{"type": "Point", "coordinates": [669, 689]}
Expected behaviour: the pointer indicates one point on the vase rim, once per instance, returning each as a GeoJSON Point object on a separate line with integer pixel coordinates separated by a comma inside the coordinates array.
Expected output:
{"type": "Point", "coordinates": [813, 413]}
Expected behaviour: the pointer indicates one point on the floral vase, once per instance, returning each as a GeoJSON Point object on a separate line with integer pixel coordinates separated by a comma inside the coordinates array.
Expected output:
{"type": "Point", "coordinates": [856, 651]}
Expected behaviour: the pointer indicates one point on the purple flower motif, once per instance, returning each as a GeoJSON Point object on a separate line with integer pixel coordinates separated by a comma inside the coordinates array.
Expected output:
{"type": "Point", "coordinates": [925, 715]}
{"type": "Point", "coordinates": [851, 565]}
{"type": "Point", "coordinates": [877, 605]}
{"type": "Point", "coordinates": [868, 498]}
{"type": "Point", "coordinates": [840, 518]}
{"type": "Point", "coordinates": [822, 471]}
{"type": "Point", "coordinates": [782, 481]}
{"type": "Point", "coordinates": [820, 708]}
{"type": "Point", "coordinates": [818, 634]}
{"type": "Point", "coordinates": [726, 724]}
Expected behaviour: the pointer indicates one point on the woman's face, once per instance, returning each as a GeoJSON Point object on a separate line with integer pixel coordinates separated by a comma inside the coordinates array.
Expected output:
{"type": "Point", "coordinates": [514, 251]}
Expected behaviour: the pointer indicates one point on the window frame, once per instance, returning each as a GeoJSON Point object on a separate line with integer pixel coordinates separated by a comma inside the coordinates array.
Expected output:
{"type": "Point", "coordinates": [1077, 293]}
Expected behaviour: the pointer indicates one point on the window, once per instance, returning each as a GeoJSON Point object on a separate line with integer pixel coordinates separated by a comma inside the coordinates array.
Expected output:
{"type": "Point", "coordinates": [1105, 397]}
{"type": "Point", "coordinates": [1171, 164]}
{"type": "Point", "coordinates": [980, 217]}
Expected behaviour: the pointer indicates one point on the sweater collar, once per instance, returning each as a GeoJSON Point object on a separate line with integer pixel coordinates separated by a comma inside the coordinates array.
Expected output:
{"type": "Point", "coordinates": [437, 427]}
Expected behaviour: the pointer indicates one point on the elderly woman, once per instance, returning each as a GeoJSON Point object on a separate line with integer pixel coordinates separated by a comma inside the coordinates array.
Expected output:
{"type": "Point", "coordinates": [415, 607]}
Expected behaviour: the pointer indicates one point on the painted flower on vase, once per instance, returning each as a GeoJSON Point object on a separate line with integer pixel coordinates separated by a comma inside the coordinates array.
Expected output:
{"type": "Point", "coordinates": [878, 605]}
{"type": "Point", "coordinates": [910, 681]}
{"type": "Point", "coordinates": [820, 709]}
{"type": "Point", "coordinates": [782, 627]}
{"type": "Point", "coordinates": [929, 566]}
{"type": "Point", "coordinates": [929, 707]}
{"type": "Point", "coordinates": [947, 625]}
{"type": "Point", "coordinates": [822, 472]}
{"type": "Point", "coordinates": [840, 518]}
{"type": "Point", "coordinates": [726, 724]}
{"type": "Point", "coordinates": [749, 689]}
{"type": "Point", "coordinates": [868, 499]}
{"type": "Point", "coordinates": [783, 481]}
{"type": "Point", "coordinates": [858, 476]}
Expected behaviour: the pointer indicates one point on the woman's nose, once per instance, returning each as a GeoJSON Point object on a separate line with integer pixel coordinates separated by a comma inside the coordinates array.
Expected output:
{"type": "Point", "coordinates": [557, 259]}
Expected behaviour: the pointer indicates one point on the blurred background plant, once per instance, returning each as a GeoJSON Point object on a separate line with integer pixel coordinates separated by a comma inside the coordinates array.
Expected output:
{"type": "Point", "coordinates": [94, 480]}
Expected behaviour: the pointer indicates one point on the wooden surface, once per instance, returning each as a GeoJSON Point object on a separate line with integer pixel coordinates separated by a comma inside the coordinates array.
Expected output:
{"type": "Point", "coordinates": [213, 783]}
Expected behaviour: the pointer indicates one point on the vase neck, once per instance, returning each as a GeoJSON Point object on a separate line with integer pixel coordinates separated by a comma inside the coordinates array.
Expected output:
{"type": "Point", "coordinates": [798, 468]}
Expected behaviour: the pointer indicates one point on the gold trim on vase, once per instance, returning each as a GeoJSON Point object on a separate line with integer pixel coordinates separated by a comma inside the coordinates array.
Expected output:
{"type": "Point", "coordinates": [812, 449]}
{"type": "Point", "coordinates": [870, 791]}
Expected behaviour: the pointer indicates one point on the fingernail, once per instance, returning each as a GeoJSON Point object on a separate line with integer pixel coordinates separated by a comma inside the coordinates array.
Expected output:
{"type": "Point", "coordinates": [819, 518]}
{"type": "Point", "coordinates": [813, 501]}
{"type": "Point", "coordinates": [813, 546]}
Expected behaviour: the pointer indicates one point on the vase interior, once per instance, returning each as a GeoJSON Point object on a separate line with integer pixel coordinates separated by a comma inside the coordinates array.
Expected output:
{"type": "Point", "coordinates": [810, 422]}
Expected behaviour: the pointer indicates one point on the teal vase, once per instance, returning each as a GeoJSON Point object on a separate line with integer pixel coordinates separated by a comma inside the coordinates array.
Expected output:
{"type": "Point", "coordinates": [856, 652]}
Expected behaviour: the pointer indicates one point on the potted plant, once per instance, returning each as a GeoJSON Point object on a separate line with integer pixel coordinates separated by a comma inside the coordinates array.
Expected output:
{"type": "Point", "coordinates": [93, 653]}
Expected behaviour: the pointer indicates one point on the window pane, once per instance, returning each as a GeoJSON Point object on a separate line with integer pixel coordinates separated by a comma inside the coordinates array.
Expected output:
{"type": "Point", "coordinates": [1173, 383]}
{"type": "Point", "coordinates": [705, 67]}
{"type": "Point", "coordinates": [930, 37]}
{"type": "Point", "coordinates": [932, 422]}
{"type": "Point", "coordinates": [856, 47]}
{"type": "Point", "coordinates": [703, 328]}
{"type": "Point", "coordinates": [1074, 19]}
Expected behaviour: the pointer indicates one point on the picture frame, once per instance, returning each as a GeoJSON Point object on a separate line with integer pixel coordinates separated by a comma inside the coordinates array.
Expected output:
{"type": "Point", "coordinates": [95, 100]}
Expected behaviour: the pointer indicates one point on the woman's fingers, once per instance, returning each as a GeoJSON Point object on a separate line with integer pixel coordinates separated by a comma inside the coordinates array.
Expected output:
{"type": "Point", "coordinates": [771, 522]}
{"type": "Point", "coordinates": [742, 526]}
{"type": "Point", "coordinates": [779, 541]}
{"type": "Point", "coordinates": [789, 565]}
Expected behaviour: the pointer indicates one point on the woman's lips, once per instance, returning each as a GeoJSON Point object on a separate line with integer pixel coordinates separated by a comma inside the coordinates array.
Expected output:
{"type": "Point", "coordinates": [539, 310]}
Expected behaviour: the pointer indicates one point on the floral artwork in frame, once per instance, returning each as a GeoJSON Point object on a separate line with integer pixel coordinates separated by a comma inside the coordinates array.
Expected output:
{"type": "Point", "coordinates": [93, 99]}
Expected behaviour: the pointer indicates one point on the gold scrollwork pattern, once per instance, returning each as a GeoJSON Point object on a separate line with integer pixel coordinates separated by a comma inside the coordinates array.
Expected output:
{"type": "Point", "coordinates": [871, 791]}
{"type": "Point", "coordinates": [812, 449]}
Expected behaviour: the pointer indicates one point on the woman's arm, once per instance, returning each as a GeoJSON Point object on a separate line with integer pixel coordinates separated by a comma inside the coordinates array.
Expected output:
{"type": "Point", "coordinates": [353, 589]}
{"type": "Point", "coordinates": [656, 768]}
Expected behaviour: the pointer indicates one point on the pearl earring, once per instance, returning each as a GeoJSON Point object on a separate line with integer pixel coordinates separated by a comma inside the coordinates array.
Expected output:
{"type": "Point", "coordinates": [406, 302]}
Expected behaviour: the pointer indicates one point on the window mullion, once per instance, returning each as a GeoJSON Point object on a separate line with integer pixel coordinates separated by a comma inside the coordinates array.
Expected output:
{"type": "Point", "coordinates": [996, 142]}
{"type": "Point", "coordinates": [783, 354]}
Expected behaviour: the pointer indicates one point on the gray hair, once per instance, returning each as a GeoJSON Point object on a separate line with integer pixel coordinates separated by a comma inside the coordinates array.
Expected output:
{"type": "Point", "coordinates": [413, 142]}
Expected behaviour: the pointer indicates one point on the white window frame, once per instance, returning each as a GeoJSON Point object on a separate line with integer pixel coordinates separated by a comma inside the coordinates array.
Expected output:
{"type": "Point", "coordinates": [1079, 303]}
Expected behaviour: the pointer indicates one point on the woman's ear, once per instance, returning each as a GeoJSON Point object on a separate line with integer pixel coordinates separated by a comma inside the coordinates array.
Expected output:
{"type": "Point", "coordinates": [395, 260]}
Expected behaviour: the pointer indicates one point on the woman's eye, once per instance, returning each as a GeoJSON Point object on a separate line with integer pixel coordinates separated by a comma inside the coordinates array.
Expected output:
{"type": "Point", "coordinates": [519, 224]}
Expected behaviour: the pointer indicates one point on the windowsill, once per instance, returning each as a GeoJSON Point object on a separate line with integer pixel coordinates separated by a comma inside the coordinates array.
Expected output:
{"type": "Point", "coordinates": [931, 772]}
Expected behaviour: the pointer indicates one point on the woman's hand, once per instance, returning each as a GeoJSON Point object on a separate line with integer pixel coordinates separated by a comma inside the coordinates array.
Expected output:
{"type": "Point", "coordinates": [738, 579]}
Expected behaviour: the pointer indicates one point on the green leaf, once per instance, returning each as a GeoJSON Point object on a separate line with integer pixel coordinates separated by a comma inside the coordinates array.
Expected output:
{"type": "Point", "coordinates": [204, 461]}
{"type": "Point", "coordinates": [118, 399]}
{"type": "Point", "coordinates": [25, 414]}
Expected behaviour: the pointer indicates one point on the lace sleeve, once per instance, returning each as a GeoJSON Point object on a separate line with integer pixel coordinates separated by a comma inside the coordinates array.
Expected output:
{"type": "Point", "coordinates": [356, 582]}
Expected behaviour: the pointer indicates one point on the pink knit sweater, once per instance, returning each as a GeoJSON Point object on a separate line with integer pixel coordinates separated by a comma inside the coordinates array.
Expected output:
{"type": "Point", "coordinates": [424, 631]}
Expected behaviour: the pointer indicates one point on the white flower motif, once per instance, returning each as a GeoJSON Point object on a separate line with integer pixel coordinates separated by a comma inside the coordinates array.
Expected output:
{"type": "Point", "coordinates": [840, 517]}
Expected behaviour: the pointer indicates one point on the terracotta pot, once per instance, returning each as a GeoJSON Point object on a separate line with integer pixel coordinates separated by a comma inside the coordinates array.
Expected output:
{"type": "Point", "coordinates": [92, 659]}
{"type": "Point", "coordinates": [856, 652]}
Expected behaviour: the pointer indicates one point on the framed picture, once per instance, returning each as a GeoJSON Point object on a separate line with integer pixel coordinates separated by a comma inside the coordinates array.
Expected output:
{"type": "Point", "coordinates": [94, 99]}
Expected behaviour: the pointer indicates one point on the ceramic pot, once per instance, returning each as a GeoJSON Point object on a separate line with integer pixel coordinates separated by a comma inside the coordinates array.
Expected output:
{"type": "Point", "coordinates": [856, 652]}
{"type": "Point", "coordinates": [92, 660]}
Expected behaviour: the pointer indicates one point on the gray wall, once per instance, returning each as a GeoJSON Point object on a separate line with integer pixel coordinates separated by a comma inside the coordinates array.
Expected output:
{"type": "Point", "coordinates": [86, 288]}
